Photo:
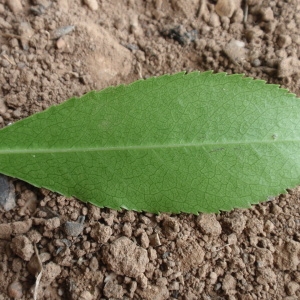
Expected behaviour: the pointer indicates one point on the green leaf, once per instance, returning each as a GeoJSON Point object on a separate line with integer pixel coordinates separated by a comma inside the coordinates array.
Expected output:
{"type": "Point", "coordinates": [197, 142]}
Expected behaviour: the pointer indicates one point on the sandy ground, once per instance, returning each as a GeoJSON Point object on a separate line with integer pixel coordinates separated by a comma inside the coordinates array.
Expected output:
{"type": "Point", "coordinates": [52, 50]}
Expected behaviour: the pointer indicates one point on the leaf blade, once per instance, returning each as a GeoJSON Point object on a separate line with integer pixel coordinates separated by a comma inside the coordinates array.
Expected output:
{"type": "Point", "coordinates": [173, 143]}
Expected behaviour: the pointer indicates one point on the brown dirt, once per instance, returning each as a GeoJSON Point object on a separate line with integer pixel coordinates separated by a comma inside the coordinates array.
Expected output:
{"type": "Point", "coordinates": [52, 50]}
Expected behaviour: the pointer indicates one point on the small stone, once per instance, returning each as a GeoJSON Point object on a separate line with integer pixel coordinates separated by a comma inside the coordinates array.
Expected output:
{"type": "Point", "coordinates": [59, 32]}
{"type": "Point", "coordinates": [92, 4]}
{"type": "Point", "coordinates": [232, 239]}
{"type": "Point", "coordinates": [214, 20]}
{"type": "Point", "coordinates": [142, 281]}
{"type": "Point", "coordinates": [50, 272]}
{"type": "Point", "coordinates": [209, 225]}
{"type": "Point", "coordinates": [292, 287]}
{"type": "Point", "coordinates": [229, 284]}
{"type": "Point", "coordinates": [144, 240]}
{"type": "Point", "coordinates": [74, 228]}
{"type": "Point", "coordinates": [22, 247]}
{"type": "Point", "coordinates": [133, 287]}
{"type": "Point", "coordinates": [113, 290]}
{"type": "Point", "coordinates": [86, 295]}
{"type": "Point", "coordinates": [15, 6]}
{"type": "Point", "coordinates": [190, 254]}
{"type": "Point", "coordinates": [264, 257]}
{"type": "Point", "coordinates": [235, 50]}
{"type": "Point", "coordinates": [269, 226]}
{"type": "Point", "coordinates": [284, 41]}
{"type": "Point", "coordinates": [21, 227]}
{"type": "Point", "coordinates": [238, 16]}
{"type": "Point", "coordinates": [5, 231]}
{"type": "Point", "coordinates": [34, 236]}
{"type": "Point", "coordinates": [4, 24]}
{"type": "Point", "coordinates": [288, 66]}
{"type": "Point", "coordinates": [129, 216]}
{"type": "Point", "coordinates": [174, 286]}
{"type": "Point", "coordinates": [170, 227]}
{"type": "Point", "coordinates": [266, 276]}
{"type": "Point", "coordinates": [152, 253]}
{"type": "Point", "coordinates": [154, 292]}
{"type": "Point", "coordinates": [154, 240]}
{"type": "Point", "coordinates": [15, 290]}
{"type": "Point", "coordinates": [7, 193]}
{"type": "Point", "coordinates": [94, 264]}
{"type": "Point", "coordinates": [225, 8]}
{"type": "Point", "coordinates": [3, 107]}
{"type": "Point", "coordinates": [101, 233]}
{"type": "Point", "coordinates": [256, 62]}
{"type": "Point", "coordinates": [236, 222]}
{"type": "Point", "coordinates": [94, 212]}
{"type": "Point", "coordinates": [127, 229]}
{"type": "Point", "coordinates": [52, 223]}
{"type": "Point", "coordinates": [60, 44]}
{"type": "Point", "coordinates": [287, 255]}
{"type": "Point", "coordinates": [255, 227]}
{"type": "Point", "coordinates": [213, 277]}
{"type": "Point", "coordinates": [267, 14]}
{"type": "Point", "coordinates": [26, 32]}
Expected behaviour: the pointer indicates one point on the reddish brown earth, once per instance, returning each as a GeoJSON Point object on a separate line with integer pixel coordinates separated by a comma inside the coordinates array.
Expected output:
{"type": "Point", "coordinates": [52, 50]}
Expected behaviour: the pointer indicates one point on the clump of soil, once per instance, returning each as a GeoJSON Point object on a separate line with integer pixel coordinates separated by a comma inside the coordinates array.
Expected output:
{"type": "Point", "coordinates": [52, 50]}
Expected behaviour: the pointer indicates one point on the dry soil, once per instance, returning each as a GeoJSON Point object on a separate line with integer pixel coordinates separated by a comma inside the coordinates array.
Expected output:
{"type": "Point", "coordinates": [52, 50]}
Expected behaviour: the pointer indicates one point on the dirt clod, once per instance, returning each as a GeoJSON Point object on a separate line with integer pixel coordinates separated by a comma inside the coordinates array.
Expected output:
{"type": "Point", "coordinates": [101, 233]}
{"type": "Point", "coordinates": [22, 247]}
{"type": "Point", "coordinates": [124, 257]}
{"type": "Point", "coordinates": [15, 290]}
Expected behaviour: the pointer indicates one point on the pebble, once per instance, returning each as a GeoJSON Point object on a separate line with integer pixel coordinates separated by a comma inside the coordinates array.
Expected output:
{"type": "Point", "coordinates": [256, 62]}
{"type": "Point", "coordinates": [144, 240]}
{"type": "Point", "coordinates": [7, 194]}
{"type": "Point", "coordinates": [15, 290]}
{"type": "Point", "coordinates": [113, 290]}
{"type": "Point", "coordinates": [154, 240]}
{"type": "Point", "coordinates": [92, 4]}
{"type": "Point", "coordinates": [127, 229]}
{"type": "Point", "coordinates": [52, 223]}
{"type": "Point", "coordinates": [59, 32]}
{"type": "Point", "coordinates": [4, 24]}
{"type": "Point", "coordinates": [229, 284]}
{"type": "Point", "coordinates": [170, 227]}
{"type": "Point", "coordinates": [22, 247]}
{"type": "Point", "coordinates": [214, 20]}
{"type": "Point", "coordinates": [26, 32]}
{"type": "Point", "coordinates": [85, 295]}
{"type": "Point", "coordinates": [235, 50]}
{"type": "Point", "coordinates": [15, 6]}
{"type": "Point", "coordinates": [21, 227]}
{"type": "Point", "coordinates": [74, 228]}
{"type": "Point", "coordinates": [284, 41]}
{"type": "Point", "coordinates": [288, 255]}
{"type": "Point", "coordinates": [288, 66]}
{"type": "Point", "coordinates": [5, 231]}
{"type": "Point", "coordinates": [225, 8]}
{"type": "Point", "coordinates": [267, 14]}
{"type": "Point", "coordinates": [292, 287]}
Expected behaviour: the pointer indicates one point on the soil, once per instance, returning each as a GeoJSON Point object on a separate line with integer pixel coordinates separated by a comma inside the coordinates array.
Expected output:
{"type": "Point", "coordinates": [52, 50]}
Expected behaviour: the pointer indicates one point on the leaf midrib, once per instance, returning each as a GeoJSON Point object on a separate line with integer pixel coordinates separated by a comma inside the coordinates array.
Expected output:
{"type": "Point", "coordinates": [144, 147]}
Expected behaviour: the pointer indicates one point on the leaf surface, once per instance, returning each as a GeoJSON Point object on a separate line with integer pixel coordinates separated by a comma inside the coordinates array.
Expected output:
{"type": "Point", "coordinates": [198, 142]}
